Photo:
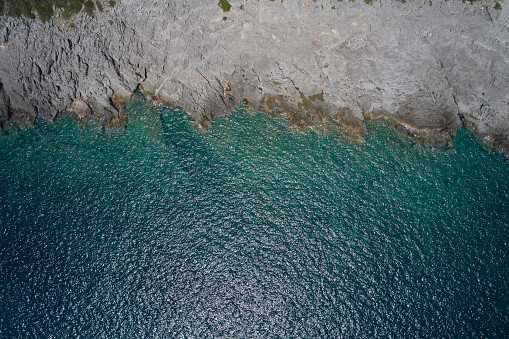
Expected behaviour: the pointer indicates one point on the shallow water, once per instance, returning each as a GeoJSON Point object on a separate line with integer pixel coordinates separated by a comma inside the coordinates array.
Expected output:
{"type": "Point", "coordinates": [250, 229]}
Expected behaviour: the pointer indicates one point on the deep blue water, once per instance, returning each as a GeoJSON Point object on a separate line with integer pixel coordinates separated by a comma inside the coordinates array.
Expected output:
{"type": "Point", "coordinates": [252, 229]}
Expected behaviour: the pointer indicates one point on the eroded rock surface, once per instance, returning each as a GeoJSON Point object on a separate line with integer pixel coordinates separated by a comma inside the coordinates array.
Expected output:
{"type": "Point", "coordinates": [426, 65]}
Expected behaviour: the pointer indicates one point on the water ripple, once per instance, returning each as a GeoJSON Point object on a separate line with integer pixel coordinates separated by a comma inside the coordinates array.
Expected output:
{"type": "Point", "coordinates": [252, 229]}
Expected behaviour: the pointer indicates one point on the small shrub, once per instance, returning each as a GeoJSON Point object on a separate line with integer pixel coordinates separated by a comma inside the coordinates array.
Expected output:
{"type": "Point", "coordinates": [225, 5]}
{"type": "Point", "coordinates": [89, 8]}
{"type": "Point", "coordinates": [112, 3]}
{"type": "Point", "coordinates": [17, 8]}
{"type": "Point", "coordinates": [72, 8]}
{"type": "Point", "coordinates": [14, 11]}
{"type": "Point", "coordinates": [44, 9]}
{"type": "Point", "coordinates": [498, 7]}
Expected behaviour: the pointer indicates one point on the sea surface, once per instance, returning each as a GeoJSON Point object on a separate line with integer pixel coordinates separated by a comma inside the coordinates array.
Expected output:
{"type": "Point", "coordinates": [251, 229]}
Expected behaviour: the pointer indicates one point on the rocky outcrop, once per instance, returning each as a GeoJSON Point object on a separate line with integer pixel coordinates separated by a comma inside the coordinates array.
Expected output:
{"type": "Point", "coordinates": [4, 105]}
{"type": "Point", "coordinates": [427, 65]}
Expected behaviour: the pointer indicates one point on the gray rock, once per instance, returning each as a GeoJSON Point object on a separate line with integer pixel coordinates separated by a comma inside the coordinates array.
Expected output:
{"type": "Point", "coordinates": [426, 65]}
{"type": "Point", "coordinates": [4, 107]}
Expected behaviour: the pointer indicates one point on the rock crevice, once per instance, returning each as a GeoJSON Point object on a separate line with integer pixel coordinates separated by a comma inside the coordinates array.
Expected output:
{"type": "Point", "coordinates": [340, 63]}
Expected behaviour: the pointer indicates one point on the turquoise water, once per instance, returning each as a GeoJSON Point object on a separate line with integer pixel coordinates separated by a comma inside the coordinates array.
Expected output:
{"type": "Point", "coordinates": [252, 229]}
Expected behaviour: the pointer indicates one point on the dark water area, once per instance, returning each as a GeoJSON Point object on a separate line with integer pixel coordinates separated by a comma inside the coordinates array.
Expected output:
{"type": "Point", "coordinates": [251, 229]}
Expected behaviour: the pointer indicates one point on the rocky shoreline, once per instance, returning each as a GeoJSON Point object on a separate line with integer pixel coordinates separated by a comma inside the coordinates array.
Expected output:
{"type": "Point", "coordinates": [429, 66]}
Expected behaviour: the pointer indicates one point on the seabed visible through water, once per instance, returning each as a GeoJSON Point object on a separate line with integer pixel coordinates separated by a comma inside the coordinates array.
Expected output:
{"type": "Point", "coordinates": [251, 229]}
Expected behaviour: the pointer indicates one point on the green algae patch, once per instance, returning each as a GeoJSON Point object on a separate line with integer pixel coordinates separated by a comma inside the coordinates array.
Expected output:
{"type": "Point", "coordinates": [318, 96]}
{"type": "Point", "coordinates": [225, 5]}
{"type": "Point", "coordinates": [306, 102]}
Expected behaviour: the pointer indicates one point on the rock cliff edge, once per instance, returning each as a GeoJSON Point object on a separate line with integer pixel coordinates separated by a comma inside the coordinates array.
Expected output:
{"type": "Point", "coordinates": [430, 66]}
